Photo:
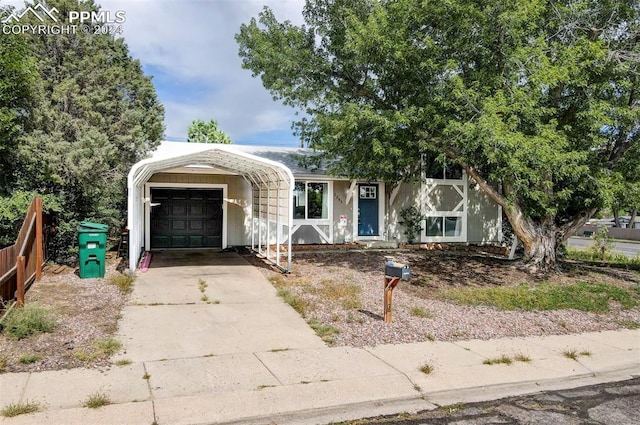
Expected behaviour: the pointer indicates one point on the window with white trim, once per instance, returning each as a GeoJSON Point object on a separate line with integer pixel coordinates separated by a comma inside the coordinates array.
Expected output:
{"type": "Point", "coordinates": [443, 226]}
{"type": "Point", "coordinates": [311, 201]}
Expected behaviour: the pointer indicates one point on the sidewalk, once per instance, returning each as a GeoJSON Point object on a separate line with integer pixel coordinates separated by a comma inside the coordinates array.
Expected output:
{"type": "Point", "coordinates": [316, 386]}
{"type": "Point", "coordinates": [249, 359]}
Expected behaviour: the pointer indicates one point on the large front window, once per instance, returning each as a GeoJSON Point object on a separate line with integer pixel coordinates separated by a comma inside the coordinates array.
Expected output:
{"type": "Point", "coordinates": [311, 201]}
{"type": "Point", "coordinates": [443, 226]}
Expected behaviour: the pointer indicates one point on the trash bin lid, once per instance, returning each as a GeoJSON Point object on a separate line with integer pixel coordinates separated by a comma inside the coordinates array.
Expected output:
{"type": "Point", "coordinates": [87, 226]}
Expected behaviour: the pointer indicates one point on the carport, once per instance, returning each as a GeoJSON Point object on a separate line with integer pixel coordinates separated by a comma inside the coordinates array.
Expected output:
{"type": "Point", "coordinates": [271, 183]}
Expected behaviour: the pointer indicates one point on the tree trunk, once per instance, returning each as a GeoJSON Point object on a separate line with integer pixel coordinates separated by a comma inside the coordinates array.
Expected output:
{"type": "Point", "coordinates": [540, 247]}
{"type": "Point", "coordinates": [634, 215]}
{"type": "Point", "coordinates": [616, 218]}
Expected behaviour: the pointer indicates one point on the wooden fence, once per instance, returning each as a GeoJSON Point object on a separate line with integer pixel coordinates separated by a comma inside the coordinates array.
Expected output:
{"type": "Point", "coordinates": [21, 263]}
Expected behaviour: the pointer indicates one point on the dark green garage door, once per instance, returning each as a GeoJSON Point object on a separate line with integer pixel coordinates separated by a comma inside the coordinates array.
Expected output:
{"type": "Point", "coordinates": [186, 218]}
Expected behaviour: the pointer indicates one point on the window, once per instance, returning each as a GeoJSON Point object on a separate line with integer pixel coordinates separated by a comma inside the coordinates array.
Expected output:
{"type": "Point", "coordinates": [443, 226]}
{"type": "Point", "coordinates": [311, 201]}
{"type": "Point", "coordinates": [368, 192]}
{"type": "Point", "coordinates": [435, 170]}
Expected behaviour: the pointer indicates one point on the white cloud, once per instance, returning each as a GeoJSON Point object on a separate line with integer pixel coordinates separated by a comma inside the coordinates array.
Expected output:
{"type": "Point", "coordinates": [191, 43]}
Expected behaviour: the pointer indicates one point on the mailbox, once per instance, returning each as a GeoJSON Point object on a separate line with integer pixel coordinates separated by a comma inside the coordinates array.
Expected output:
{"type": "Point", "coordinates": [402, 271]}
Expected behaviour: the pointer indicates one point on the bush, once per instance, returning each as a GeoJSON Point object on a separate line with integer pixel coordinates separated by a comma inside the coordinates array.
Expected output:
{"type": "Point", "coordinates": [27, 321]}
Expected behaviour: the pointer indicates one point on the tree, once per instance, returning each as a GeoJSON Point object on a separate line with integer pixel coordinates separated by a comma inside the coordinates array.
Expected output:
{"type": "Point", "coordinates": [17, 80]}
{"type": "Point", "coordinates": [207, 132]}
{"type": "Point", "coordinates": [536, 100]}
{"type": "Point", "coordinates": [95, 114]}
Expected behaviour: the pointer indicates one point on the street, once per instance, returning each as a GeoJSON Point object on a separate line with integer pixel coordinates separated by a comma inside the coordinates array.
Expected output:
{"type": "Point", "coordinates": [615, 403]}
{"type": "Point", "coordinates": [630, 249]}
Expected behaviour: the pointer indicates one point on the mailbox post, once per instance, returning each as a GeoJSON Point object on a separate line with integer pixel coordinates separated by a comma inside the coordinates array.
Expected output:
{"type": "Point", "coordinates": [393, 273]}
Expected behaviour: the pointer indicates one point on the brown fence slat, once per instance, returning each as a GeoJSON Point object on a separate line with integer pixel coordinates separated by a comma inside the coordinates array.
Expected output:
{"type": "Point", "coordinates": [21, 263]}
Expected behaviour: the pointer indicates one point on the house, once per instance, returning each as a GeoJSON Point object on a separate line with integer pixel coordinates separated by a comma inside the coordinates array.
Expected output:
{"type": "Point", "coordinates": [192, 195]}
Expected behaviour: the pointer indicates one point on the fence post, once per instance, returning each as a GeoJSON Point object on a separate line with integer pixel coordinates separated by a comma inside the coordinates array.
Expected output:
{"type": "Point", "coordinates": [39, 241]}
{"type": "Point", "coordinates": [20, 272]}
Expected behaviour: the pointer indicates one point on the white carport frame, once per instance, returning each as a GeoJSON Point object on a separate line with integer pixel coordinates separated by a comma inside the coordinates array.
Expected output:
{"type": "Point", "coordinates": [266, 178]}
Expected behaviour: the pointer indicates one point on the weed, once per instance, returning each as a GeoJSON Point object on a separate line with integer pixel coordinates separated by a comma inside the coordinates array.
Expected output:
{"type": "Point", "coordinates": [202, 285]}
{"type": "Point", "coordinates": [29, 320]}
{"type": "Point", "coordinates": [499, 360]}
{"type": "Point", "coordinates": [97, 399]}
{"type": "Point", "coordinates": [453, 408]}
{"type": "Point", "coordinates": [430, 337]}
{"type": "Point", "coordinates": [108, 346]}
{"type": "Point", "coordinates": [262, 387]}
{"type": "Point", "coordinates": [104, 347]}
{"type": "Point", "coordinates": [146, 376]}
{"type": "Point", "coordinates": [29, 358]}
{"type": "Point", "coordinates": [574, 354]}
{"type": "Point", "coordinates": [426, 368]}
{"type": "Point", "coordinates": [420, 312]}
{"type": "Point", "coordinates": [204, 298]}
{"type": "Point", "coordinates": [584, 296]}
{"type": "Point", "coordinates": [417, 387]}
{"type": "Point", "coordinates": [216, 302]}
{"type": "Point", "coordinates": [123, 362]}
{"type": "Point", "coordinates": [325, 332]}
{"type": "Point", "coordinates": [4, 362]}
{"type": "Point", "coordinates": [522, 358]}
{"type": "Point", "coordinates": [296, 303]}
{"type": "Point", "coordinates": [124, 281]}
{"type": "Point", "coordinates": [15, 409]}
{"type": "Point", "coordinates": [278, 281]}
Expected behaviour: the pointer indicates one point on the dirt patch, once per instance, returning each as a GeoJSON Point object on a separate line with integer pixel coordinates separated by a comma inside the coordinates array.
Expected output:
{"type": "Point", "coordinates": [419, 312]}
{"type": "Point", "coordinates": [86, 312]}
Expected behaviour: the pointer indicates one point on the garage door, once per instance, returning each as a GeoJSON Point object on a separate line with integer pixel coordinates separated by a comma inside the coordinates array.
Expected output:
{"type": "Point", "coordinates": [186, 218]}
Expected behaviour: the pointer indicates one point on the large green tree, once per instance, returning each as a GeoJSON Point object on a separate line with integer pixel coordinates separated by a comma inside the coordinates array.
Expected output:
{"type": "Point", "coordinates": [537, 100]}
{"type": "Point", "coordinates": [17, 81]}
{"type": "Point", "coordinates": [206, 132]}
{"type": "Point", "coordinates": [95, 114]}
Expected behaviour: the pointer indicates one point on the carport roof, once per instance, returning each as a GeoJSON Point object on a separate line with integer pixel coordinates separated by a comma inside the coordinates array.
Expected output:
{"type": "Point", "coordinates": [251, 161]}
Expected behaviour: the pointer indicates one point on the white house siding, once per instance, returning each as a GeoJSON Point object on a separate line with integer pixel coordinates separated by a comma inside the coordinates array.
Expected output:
{"type": "Point", "coordinates": [341, 208]}
{"type": "Point", "coordinates": [408, 194]}
{"type": "Point", "coordinates": [484, 220]}
{"type": "Point", "coordinates": [238, 204]}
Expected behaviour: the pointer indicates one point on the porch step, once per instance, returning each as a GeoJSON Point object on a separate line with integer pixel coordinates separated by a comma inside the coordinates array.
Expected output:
{"type": "Point", "coordinates": [379, 245]}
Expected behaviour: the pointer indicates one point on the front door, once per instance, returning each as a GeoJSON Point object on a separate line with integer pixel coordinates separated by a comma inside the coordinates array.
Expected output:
{"type": "Point", "coordinates": [368, 210]}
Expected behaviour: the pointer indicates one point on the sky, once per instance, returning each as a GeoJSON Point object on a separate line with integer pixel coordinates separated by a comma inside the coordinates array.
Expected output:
{"type": "Point", "coordinates": [189, 50]}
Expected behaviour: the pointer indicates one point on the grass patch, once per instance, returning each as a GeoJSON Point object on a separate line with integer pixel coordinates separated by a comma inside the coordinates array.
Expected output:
{"type": "Point", "coordinates": [15, 409]}
{"type": "Point", "coordinates": [104, 347]}
{"type": "Point", "coordinates": [325, 332]}
{"type": "Point", "coordinates": [97, 399]}
{"type": "Point", "coordinates": [426, 368]}
{"type": "Point", "coordinates": [420, 312]}
{"type": "Point", "coordinates": [628, 324]}
{"type": "Point", "coordinates": [4, 362]}
{"type": "Point", "coordinates": [522, 358]}
{"type": "Point", "coordinates": [29, 320]}
{"type": "Point", "coordinates": [123, 362]}
{"type": "Point", "coordinates": [347, 294]}
{"type": "Point", "coordinates": [499, 360]}
{"type": "Point", "coordinates": [584, 296]}
{"type": "Point", "coordinates": [29, 358]}
{"type": "Point", "coordinates": [124, 281]}
{"type": "Point", "coordinates": [296, 303]}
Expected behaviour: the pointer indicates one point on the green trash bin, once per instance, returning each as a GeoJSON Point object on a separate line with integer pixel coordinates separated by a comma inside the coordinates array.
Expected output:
{"type": "Point", "coordinates": [92, 243]}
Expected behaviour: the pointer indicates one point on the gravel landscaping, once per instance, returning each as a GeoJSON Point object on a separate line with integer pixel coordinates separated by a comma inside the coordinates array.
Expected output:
{"type": "Point", "coordinates": [339, 294]}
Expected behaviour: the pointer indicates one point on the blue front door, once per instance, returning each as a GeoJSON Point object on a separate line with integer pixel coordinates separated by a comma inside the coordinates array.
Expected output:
{"type": "Point", "coordinates": [368, 210]}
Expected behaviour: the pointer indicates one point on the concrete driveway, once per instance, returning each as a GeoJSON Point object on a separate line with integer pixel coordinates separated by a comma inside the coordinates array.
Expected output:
{"type": "Point", "coordinates": [203, 303]}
